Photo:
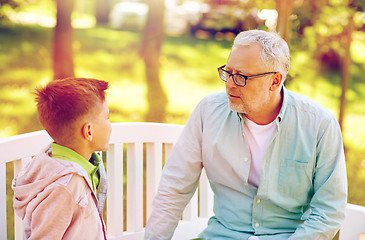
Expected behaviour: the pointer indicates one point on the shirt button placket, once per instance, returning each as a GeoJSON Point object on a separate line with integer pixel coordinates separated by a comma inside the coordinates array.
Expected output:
{"type": "Point", "coordinates": [256, 201]}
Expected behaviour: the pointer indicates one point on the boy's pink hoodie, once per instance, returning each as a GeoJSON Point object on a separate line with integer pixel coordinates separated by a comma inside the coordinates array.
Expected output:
{"type": "Point", "coordinates": [55, 200]}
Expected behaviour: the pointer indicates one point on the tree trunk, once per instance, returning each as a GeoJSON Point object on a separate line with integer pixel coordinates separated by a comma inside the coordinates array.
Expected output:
{"type": "Point", "coordinates": [153, 35]}
{"type": "Point", "coordinates": [345, 69]}
{"type": "Point", "coordinates": [102, 10]}
{"type": "Point", "coordinates": [285, 9]}
{"type": "Point", "coordinates": [63, 65]}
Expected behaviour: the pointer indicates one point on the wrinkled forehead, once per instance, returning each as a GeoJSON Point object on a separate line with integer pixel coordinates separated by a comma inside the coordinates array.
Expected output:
{"type": "Point", "coordinates": [246, 59]}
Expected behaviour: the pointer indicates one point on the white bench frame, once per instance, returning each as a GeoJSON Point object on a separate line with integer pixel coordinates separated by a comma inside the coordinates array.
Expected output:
{"type": "Point", "coordinates": [155, 141]}
{"type": "Point", "coordinates": [138, 142]}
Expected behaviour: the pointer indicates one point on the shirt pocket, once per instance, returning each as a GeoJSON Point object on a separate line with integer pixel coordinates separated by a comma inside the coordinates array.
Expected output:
{"type": "Point", "coordinates": [295, 180]}
{"type": "Point", "coordinates": [88, 206]}
{"type": "Point", "coordinates": [83, 200]}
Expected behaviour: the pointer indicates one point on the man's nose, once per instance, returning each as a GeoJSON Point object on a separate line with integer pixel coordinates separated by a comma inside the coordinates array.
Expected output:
{"type": "Point", "coordinates": [230, 83]}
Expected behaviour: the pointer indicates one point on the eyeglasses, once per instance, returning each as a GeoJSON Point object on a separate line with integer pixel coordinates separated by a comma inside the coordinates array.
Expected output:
{"type": "Point", "coordinates": [238, 79]}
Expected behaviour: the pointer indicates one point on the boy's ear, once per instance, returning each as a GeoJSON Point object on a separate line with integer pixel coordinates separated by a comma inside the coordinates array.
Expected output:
{"type": "Point", "coordinates": [87, 131]}
{"type": "Point", "coordinates": [277, 79]}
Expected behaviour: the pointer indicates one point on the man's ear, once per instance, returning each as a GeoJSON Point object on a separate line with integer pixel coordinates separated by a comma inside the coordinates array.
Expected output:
{"type": "Point", "coordinates": [276, 79]}
{"type": "Point", "coordinates": [87, 131]}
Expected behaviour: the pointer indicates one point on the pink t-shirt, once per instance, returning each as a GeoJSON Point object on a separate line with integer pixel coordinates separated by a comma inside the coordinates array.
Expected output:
{"type": "Point", "coordinates": [258, 137]}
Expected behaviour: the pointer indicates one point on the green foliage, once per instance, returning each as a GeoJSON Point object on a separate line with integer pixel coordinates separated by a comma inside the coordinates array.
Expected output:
{"type": "Point", "coordinates": [359, 5]}
{"type": "Point", "coordinates": [9, 201]}
{"type": "Point", "coordinates": [322, 25]}
{"type": "Point", "coordinates": [8, 7]}
{"type": "Point", "coordinates": [11, 3]}
{"type": "Point", "coordinates": [5, 7]}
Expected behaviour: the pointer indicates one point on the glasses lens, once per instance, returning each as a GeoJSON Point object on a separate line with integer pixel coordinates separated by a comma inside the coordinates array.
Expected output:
{"type": "Point", "coordinates": [240, 80]}
{"type": "Point", "coordinates": [223, 75]}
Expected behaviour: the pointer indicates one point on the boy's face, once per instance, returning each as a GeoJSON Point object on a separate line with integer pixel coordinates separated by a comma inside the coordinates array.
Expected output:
{"type": "Point", "coordinates": [101, 127]}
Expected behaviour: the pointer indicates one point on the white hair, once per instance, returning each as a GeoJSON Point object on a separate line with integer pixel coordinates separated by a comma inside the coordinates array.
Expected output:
{"type": "Point", "coordinates": [275, 51]}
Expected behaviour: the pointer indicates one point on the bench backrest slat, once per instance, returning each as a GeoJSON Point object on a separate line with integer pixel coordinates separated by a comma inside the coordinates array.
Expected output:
{"type": "Point", "coordinates": [115, 190]}
{"type": "Point", "coordinates": [18, 225]}
{"type": "Point", "coordinates": [153, 172]}
{"type": "Point", "coordinates": [3, 224]}
{"type": "Point", "coordinates": [134, 187]}
{"type": "Point", "coordinates": [22, 146]}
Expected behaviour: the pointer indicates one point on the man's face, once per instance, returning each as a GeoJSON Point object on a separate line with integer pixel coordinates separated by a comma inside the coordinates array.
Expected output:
{"type": "Point", "coordinates": [253, 98]}
{"type": "Point", "coordinates": [101, 127]}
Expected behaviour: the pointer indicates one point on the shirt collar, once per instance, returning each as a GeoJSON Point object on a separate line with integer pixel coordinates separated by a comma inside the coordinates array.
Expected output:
{"type": "Point", "coordinates": [284, 105]}
{"type": "Point", "coordinates": [68, 154]}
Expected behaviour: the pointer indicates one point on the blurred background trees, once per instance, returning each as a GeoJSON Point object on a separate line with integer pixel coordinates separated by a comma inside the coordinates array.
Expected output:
{"type": "Point", "coordinates": [327, 25]}
{"type": "Point", "coordinates": [160, 57]}
{"type": "Point", "coordinates": [102, 10]}
{"type": "Point", "coordinates": [63, 62]}
{"type": "Point", "coordinates": [153, 35]}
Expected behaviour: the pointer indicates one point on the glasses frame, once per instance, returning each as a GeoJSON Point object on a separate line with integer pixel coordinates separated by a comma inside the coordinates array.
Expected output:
{"type": "Point", "coordinates": [237, 74]}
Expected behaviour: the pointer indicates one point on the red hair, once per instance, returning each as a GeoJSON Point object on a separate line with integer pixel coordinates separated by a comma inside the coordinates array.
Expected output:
{"type": "Point", "coordinates": [61, 102]}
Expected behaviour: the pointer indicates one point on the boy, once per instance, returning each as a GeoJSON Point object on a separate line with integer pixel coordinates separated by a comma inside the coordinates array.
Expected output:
{"type": "Point", "coordinates": [60, 193]}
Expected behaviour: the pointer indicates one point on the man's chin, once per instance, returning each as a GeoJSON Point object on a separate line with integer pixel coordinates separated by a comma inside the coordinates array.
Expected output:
{"type": "Point", "coordinates": [236, 107]}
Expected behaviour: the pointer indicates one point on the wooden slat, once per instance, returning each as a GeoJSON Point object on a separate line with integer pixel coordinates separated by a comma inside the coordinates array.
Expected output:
{"type": "Point", "coordinates": [134, 187]}
{"type": "Point", "coordinates": [115, 190]}
{"type": "Point", "coordinates": [3, 225]}
{"type": "Point", "coordinates": [145, 132]}
{"type": "Point", "coordinates": [34, 142]}
{"type": "Point", "coordinates": [168, 150]}
{"type": "Point", "coordinates": [153, 171]}
{"type": "Point", "coordinates": [131, 236]}
{"type": "Point", "coordinates": [31, 144]}
{"type": "Point", "coordinates": [18, 224]}
{"type": "Point", "coordinates": [354, 224]}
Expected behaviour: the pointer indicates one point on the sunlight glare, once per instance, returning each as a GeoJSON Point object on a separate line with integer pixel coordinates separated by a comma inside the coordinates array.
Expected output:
{"type": "Point", "coordinates": [32, 18]}
{"type": "Point", "coordinates": [270, 16]}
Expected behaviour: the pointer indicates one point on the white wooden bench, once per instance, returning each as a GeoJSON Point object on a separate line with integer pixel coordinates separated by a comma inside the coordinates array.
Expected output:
{"type": "Point", "coordinates": [141, 148]}
{"type": "Point", "coordinates": [138, 150]}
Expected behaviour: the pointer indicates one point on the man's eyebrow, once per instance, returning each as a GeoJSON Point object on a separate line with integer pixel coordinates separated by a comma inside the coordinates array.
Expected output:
{"type": "Point", "coordinates": [239, 72]}
{"type": "Point", "coordinates": [228, 68]}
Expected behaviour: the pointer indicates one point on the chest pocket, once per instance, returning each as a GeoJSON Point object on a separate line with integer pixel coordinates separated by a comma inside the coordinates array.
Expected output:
{"type": "Point", "coordinates": [295, 180]}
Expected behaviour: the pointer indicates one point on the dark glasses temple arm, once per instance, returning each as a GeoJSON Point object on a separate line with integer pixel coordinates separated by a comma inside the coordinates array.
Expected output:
{"type": "Point", "coordinates": [260, 75]}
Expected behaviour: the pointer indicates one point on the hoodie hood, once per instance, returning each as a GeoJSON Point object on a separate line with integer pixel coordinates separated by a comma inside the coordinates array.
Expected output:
{"type": "Point", "coordinates": [38, 173]}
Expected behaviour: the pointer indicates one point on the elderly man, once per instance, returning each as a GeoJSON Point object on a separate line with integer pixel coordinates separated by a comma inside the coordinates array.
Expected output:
{"type": "Point", "coordinates": [274, 159]}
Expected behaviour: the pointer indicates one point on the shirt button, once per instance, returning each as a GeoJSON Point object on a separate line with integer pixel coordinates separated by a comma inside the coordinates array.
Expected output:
{"type": "Point", "coordinates": [257, 224]}
{"type": "Point", "coordinates": [246, 159]}
{"type": "Point", "coordinates": [258, 200]}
